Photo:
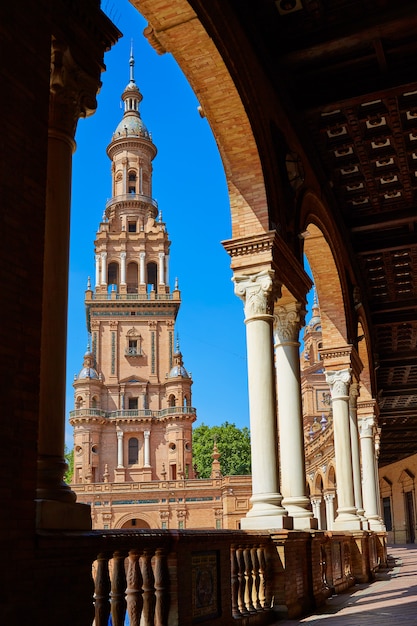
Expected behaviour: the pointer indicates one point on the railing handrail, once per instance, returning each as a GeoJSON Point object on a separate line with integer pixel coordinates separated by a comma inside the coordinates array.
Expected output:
{"type": "Point", "coordinates": [132, 296]}
{"type": "Point", "coordinates": [137, 197]}
{"type": "Point", "coordinates": [129, 413]}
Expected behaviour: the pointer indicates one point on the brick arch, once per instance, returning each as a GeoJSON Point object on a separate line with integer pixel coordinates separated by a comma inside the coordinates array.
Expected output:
{"type": "Point", "coordinates": [175, 28]}
{"type": "Point", "coordinates": [129, 516]}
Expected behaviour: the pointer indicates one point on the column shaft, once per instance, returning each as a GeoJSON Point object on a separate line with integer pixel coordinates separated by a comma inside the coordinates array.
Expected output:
{"type": "Point", "coordinates": [370, 488]}
{"type": "Point", "coordinates": [346, 519]}
{"type": "Point", "coordinates": [288, 320]}
{"type": "Point", "coordinates": [266, 511]}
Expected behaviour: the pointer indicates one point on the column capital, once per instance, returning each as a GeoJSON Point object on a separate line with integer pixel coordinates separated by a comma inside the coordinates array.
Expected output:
{"type": "Point", "coordinates": [329, 497]}
{"type": "Point", "coordinates": [258, 292]}
{"type": "Point", "coordinates": [354, 392]}
{"type": "Point", "coordinates": [366, 426]}
{"type": "Point", "coordinates": [338, 382]}
{"type": "Point", "coordinates": [123, 255]}
{"type": "Point", "coordinates": [288, 320]}
{"type": "Point", "coordinates": [73, 91]}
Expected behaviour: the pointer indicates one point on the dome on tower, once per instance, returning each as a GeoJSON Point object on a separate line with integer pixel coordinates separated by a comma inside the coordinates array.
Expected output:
{"type": "Point", "coordinates": [131, 125]}
{"type": "Point", "coordinates": [88, 370]}
{"type": "Point", "coordinates": [178, 370]}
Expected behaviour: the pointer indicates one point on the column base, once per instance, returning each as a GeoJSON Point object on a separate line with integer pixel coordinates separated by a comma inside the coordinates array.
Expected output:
{"type": "Point", "coordinates": [268, 522]}
{"type": "Point", "coordinates": [377, 525]}
{"type": "Point", "coordinates": [305, 523]}
{"type": "Point", "coordinates": [347, 522]}
{"type": "Point", "coordinates": [56, 515]}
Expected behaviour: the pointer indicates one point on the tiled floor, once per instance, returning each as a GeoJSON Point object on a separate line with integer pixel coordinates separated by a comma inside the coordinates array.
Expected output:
{"type": "Point", "coordinates": [391, 600]}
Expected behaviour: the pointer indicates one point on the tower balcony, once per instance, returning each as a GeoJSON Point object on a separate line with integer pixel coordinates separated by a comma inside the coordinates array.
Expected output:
{"type": "Point", "coordinates": [133, 413]}
{"type": "Point", "coordinates": [135, 198]}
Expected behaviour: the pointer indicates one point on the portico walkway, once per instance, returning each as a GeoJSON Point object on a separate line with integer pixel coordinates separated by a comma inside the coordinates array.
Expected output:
{"type": "Point", "coordinates": [391, 600]}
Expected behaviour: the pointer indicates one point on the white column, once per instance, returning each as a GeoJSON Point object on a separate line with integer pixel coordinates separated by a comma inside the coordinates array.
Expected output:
{"type": "Point", "coordinates": [370, 490]}
{"type": "Point", "coordinates": [97, 270]}
{"type": "Point", "coordinates": [146, 461]}
{"type": "Point", "coordinates": [329, 501]}
{"type": "Point", "coordinates": [161, 256]}
{"type": "Point", "coordinates": [123, 268]}
{"type": "Point", "coordinates": [104, 268]}
{"type": "Point", "coordinates": [354, 442]}
{"type": "Point", "coordinates": [316, 504]}
{"type": "Point", "coordinates": [257, 293]}
{"type": "Point", "coordinates": [167, 269]}
{"type": "Point", "coordinates": [287, 322]}
{"type": "Point", "coordinates": [120, 449]}
{"type": "Point", "coordinates": [339, 382]}
{"type": "Point", "coordinates": [142, 256]}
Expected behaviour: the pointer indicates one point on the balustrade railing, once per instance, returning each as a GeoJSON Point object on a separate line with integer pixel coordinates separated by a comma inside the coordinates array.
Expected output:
{"type": "Point", "coordinates": [129, 413]}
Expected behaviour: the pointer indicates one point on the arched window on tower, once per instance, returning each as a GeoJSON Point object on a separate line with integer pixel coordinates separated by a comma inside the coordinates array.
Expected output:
{"type": "Point", "coordinates": [133, 451]}
{"type": "Point", "coordinates": [132, 182]}
{"type": "Point", "coordinates": [79, 402]}
{"type": "Point", "coordinates": [152, 271]}
{"type": "Point", "coordinates": [132, 277]}
{"type": "Point", "coordinates": [94, 402]}
{"type": "Point", "coordinates": [171, 400]}
{"type": "Point", "coordinates": [112, 276]}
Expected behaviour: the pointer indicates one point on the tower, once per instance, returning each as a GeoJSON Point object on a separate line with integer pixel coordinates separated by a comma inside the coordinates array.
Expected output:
{"type": "Point", "coordinates": [133, 415]}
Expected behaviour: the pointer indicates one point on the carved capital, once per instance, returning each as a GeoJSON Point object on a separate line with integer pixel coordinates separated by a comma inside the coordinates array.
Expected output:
{"type": "Point", "coordinates": [72, 91]}
{"type": "Point", "coordinates": [258, 292]}
{"type": "Point", "coordinates": [339, 383]}
{"type": "Point", "coordinates": [354, 391]}
{"type": "Point", "coordinates": [288, 320]}
{"type": "Point", "coordinates": [366, 427]}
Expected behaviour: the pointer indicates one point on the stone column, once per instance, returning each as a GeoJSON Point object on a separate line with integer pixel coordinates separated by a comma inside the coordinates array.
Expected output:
{"type": "Point", "coordinates": [329, 501]}
{"type": "Point", "coordinates": [146, 462]}
{"type": "Point", "coordinates": [347, 518]}
{"type": "Point", "coordinates": [72, 94]}
{"type": "Point", "coordinates": [123, 268]}
{"type": "Point", "coordinates": [370, 488]}
{"type": "Point", "coordinates": [257, 292]}
{"type": "Point", "coordinates": [142, 279]}
{"type": "Point", "coordinates": [161, 256]}
{"type": "Point", "coordinates": [120, 463]}
{"type": "Point", "coordinates": [288, 320]}
{"type": "Point", "coordinates": [104, 268]}
{"type": "Point", "coordinates": [97, 270]}
{"type": "Point", "coordinates": [316, 504]}
{"type": "Point", "coordinates": [354, 442]}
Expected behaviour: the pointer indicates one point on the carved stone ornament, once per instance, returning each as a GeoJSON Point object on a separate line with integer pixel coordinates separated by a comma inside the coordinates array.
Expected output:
{"type": "Point", "coordinates": [73, 91]}
{"type": "Point", "coordinates": [258, 293]}
{"type": "Point", "coordinates": [366, 427]}
{"type": "Point", "coordinates": [339, 383]}
{"type": "Point", "coordinates": [287, 323]}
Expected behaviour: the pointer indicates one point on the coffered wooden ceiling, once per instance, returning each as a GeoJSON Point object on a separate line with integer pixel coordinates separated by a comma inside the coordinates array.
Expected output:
{"type": "Point", "coordinates": [347, 71]}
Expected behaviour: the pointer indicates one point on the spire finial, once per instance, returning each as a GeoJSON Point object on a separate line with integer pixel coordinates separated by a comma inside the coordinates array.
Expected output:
{"type": "Point", "coordinates": [131, 62]}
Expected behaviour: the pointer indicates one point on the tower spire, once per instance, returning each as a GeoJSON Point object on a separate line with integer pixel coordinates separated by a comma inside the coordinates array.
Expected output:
{"type": "Point", "coordinates": [131, 63]}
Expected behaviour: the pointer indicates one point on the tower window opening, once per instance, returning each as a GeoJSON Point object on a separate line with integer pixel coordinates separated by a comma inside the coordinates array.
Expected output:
{"type": "Point", "coordinates": [171, 400]}
{"type": "Point", "coordinates": [131, 226]}
{"type": "Point", "coordinates": [133, 404]}
{"type": "Point", "coordinates": [132, 177]}
{"type": "Point", "coordinates": [113, 274]}
{"type": "Point", "coordinates": [132, 278]}
{"type": "Point", "coordinates": [132, 190]}
{"type": "Point", "coordinates": [152, 276]}
{"type": "Point", "coordinates": [133, 455]}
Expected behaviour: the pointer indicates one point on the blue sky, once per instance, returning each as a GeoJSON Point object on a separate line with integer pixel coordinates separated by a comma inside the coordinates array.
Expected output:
{"type": "Point", "coordinates": [190, 187]}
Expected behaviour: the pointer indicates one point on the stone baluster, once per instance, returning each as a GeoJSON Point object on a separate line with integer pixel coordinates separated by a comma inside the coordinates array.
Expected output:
{"type": "Point", "coordinates": [241, 581]}
{"type": "Point", "coordinates": [101, 591]}
{"type": "Point", "coordinates": [234, 566]}
{"type": "Point", "coordinates": [148, 587]}
{"type": "Point", "coordinates": [248, 580]}
{"type": "Point", "coordinates": [134, 589]}
{"type": "Point", "coordinates": [118, 588]}
{"type": "Point", "coordinates": [263, 599]}
{"type": "Point", "coordinates": [161, 589]}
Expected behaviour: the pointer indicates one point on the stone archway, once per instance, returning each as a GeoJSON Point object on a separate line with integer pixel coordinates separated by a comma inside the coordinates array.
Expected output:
{"type": "Point", "coordinates": [135, 523]}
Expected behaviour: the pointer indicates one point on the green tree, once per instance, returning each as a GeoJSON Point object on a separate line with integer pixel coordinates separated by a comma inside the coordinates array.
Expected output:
{"type": "Point", "coordinates": [233, 445]}
{"type": "Point", "coordinates": [69, 457]}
